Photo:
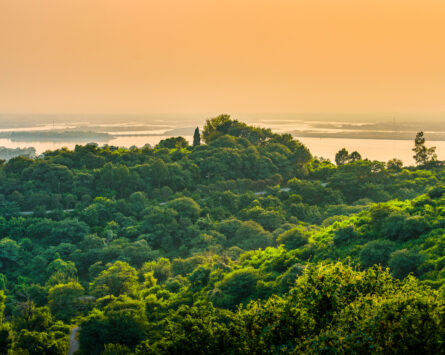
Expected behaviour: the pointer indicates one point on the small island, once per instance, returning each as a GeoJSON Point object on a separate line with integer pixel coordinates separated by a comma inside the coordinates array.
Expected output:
{"type": "Point", "coordinates": [56, 136]}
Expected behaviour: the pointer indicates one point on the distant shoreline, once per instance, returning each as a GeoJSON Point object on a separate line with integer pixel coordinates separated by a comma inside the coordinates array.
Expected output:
{"type": "Point", "coordinates": [56, 136]}
{"type": "Point", "coordinates": [404, 136]}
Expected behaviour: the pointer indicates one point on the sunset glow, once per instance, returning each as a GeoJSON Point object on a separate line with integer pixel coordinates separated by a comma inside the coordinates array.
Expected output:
{"type": "Point", "coordinates": [201, 56]}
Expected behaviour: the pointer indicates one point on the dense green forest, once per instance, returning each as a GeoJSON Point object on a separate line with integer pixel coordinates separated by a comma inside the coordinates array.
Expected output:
{"type": "Point", "coordinates": [242, 243]}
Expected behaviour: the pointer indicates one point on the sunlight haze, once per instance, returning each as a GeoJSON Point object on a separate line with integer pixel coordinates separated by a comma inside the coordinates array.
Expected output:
{"type": "Point", "coordinates": [201, 56]}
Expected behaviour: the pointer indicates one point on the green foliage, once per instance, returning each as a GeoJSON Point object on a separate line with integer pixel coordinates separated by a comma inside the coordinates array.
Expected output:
{"type": "Point", "coordinates": [196, 137]}
{"type": "Point", "coordinates": [399, 226]}
{"type": "Point", "coordinates": [116, 349]}
{"type": "Point", "coordinates": [394, 165]}
{"type": "Point", "coordinates": [237, 287]}
{"type": "Point", "coordinates": [200, 276]}
{"type": "Point", "coordinates": [64, 300]}
{"type": "Point", "coordinates": [2, 304]}
{"type": "Point", "coordinates": [161, 269]}
{"type": "Point", "coordinates": [437, 191]}
{"type": "Point", "coordinates": [225, 247]}
{"type": "Point", "coordinates": [6, 340]}
{"type": "Point", "coordinates": [293, 238]}
{"type": "Point", "coordinates": [331, 308]}
{"type": "Point", "coordinates": [122, 322]}
{"type": "Point", "coordinates": [117, 279]}
{"type": "Point", "coordinates": [173, 142]}
{"type": "Point", "coordinates": [376, 252]}
{"type": "Point", "coordinates": [186, 207]}
{"type": "Point", "coordinates": [384, 324]}
{"type": "Point", "coordinates": [37, 343]}
{"type": "Point", "coordinates": [343, 157]}
{"type": "Point", "coordinates": [9, 253]}
{"type": "Point", "coordinates": [345, 234]}
{"type": "Point", "coordinates": [404, 262]}
{"type": "Point", "coordinates": [193, 330]}
{"type": "Point", "coordinates": [250, 235]}
{"type": "Point", "coordinates": [423, 156]}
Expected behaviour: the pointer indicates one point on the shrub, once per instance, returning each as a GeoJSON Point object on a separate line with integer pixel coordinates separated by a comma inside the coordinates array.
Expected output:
{"type": "Point", "coordinates": [345, 234]}
{"type": "Point", "coordinates": [403, 262]}
{"type": "Point", "coordinates": [376, 252]}
{"type": "Point", "coordinates": [293, 238]}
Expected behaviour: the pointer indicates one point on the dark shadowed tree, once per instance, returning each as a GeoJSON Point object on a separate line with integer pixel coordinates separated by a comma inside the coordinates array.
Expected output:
{"type": "Point", "coordinates": [394, 165]}
{"type": "Point", "coordinates": [423, 156]}
{"type": "Point", "coordinates": [196, 137]}
{"type": "Point", "coordinates": [341, 157]}
{"type": "Point", "coordinates": [173, 142]}
{"type": "Point", "coordinates": [403, 262]}
{"type": "Point", "coordinates": [376, 252]}
{"type": "Point", "coordinates": [354, 156]}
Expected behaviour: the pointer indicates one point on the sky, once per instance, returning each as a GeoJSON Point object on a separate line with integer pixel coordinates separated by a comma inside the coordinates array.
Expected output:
{"type": "Point", "coordinates": [234, 56]}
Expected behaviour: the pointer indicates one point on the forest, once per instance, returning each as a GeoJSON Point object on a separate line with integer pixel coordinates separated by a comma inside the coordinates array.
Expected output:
{"type": "Point", "coordinates": [240, 243]}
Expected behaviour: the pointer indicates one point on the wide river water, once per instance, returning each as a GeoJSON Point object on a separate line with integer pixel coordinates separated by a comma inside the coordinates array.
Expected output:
{"type": "Point", "coordinates": [374, 149]}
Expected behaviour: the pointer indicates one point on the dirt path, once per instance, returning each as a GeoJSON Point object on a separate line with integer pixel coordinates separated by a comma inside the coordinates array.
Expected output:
{"type": "Point", "coordinates": [74, 343]}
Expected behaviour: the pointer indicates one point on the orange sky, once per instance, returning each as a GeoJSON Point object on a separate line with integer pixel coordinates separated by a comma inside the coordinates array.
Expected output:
{"type": "Point", "coordinates": [208, 56]}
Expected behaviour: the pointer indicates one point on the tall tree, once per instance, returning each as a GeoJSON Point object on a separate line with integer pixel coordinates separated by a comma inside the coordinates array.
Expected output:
{"type": "Point", "coordinates": [423, 156]}
{"type": "Point", "coordinates": [395, 165]}
{"type": "Point", "coordinates": [63, 300]}
{"type": "Point", "coordinates": [354, 156]}
{"type": "Point", "coordinates": [196, 137]}
{"type": "Point", "coordinates": [118, 279]}
{"type": "Point", "coordinates": [341, 157]}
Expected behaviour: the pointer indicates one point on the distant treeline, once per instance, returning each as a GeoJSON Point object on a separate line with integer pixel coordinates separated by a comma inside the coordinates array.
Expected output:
{"type": "Point", "coordinates": [8, 153]}
{"type": "Point", "coordinates": [367, 134]}
{"type": "Point", "coordinates": [74, 136]}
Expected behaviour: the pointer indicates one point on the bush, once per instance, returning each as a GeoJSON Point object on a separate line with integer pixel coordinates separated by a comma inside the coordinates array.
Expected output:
{"type": "Point", "coordinates": [376, 252]}
{"type": "Point", "coordinates": [116, 349]}
{"type": "Point", "coordinates": [237, 287]}
{"type": "Point", "coordinates": [404, 262]}
{"type": "Point", "coordinates": [404, 227]}
{"type": "Point", "coordinates": [5, 338]}
{"type": "Point", "coordinates": [437, 191]}
{"type": "Point", "coordinates": [345, 234]}
{"type": "Point", "coordinates": [251, 235]}
{"type": "Point", "coordinates": [293, 238]}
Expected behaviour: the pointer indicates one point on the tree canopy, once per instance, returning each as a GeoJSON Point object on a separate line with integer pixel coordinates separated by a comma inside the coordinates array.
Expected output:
{"type": "Point", "coordinates": [243, 243]}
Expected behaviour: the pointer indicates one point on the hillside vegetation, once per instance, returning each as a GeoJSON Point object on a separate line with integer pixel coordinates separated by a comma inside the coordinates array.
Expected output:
{"type": "Point", "coordinates": [246, 244]}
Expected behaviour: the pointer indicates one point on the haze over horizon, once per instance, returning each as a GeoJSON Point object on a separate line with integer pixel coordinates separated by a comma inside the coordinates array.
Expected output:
{"type": "Point", "coordinates": [239, 57]}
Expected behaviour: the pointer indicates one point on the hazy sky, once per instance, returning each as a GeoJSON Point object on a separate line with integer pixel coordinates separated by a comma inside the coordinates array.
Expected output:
{"type": "Point", "coordinates": [235, 56]}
